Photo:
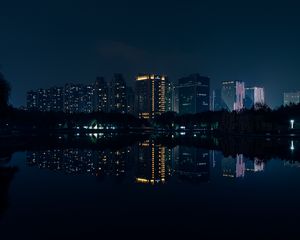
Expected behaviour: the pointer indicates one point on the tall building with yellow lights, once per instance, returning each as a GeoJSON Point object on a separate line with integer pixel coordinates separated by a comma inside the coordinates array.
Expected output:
{"type": "Point", "coordinates": [151, 163]}
{"type": "Point", "coordinates": [151, 95]}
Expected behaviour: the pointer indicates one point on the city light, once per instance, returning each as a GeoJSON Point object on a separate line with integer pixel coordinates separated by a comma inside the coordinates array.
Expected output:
{"type": "Point", "coordinates": [292, 146]}
{"type": "Point", "coordinates": [292, 123]}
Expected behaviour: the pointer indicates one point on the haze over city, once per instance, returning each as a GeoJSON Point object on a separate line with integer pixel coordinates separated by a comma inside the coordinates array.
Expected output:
{"type": "Point", "coordinates": [51, 43]}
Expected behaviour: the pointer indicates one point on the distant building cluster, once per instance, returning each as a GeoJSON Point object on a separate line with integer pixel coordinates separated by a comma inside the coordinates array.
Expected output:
{"type": "Point", "coordinates": [80, 98]}
{"type": "Point", "coordinates": [153, 163]}
{"type": "Point", "coordinates": [291, 98]}
{"type": "Point", "coordinates": [235, 96]}
{"type": "Point", "coordinates": [152, 95]}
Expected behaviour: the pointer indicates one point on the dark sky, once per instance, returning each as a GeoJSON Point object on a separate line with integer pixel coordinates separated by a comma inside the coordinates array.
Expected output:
{"type": "Point", "coordinates": [51, 42]}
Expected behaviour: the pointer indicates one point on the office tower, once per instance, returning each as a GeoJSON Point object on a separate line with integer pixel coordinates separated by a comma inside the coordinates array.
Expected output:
{"type": "Point", "coordinates": [100, 95]}
{"type": "Point", "coordinates": [150, 95]}
{"type": "Point", "coordinates": [217, 103]}
{"type": "Point", "coordinates": [192, 164]}
{"type": "Point", "coordinates": [32, 100]}
{"type": "Point", "coordinates": [57, 99]}
{"type": "Point", "coordinates": [291, 98]}
{"type": "Point", "coordinates": [193, 94]}
{"type": "Point", "coordinates": [233, 95]}
{"type": "Point", "coordinates": [130, 100]}
{"type": "Point", "coordinates": [254, 96]}
{"type": "Point", "coordinates": [118, 91]}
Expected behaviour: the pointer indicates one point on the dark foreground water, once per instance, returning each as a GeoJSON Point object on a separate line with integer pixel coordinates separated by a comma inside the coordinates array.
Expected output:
{"type": "Point", "coordinates": [148, 190]}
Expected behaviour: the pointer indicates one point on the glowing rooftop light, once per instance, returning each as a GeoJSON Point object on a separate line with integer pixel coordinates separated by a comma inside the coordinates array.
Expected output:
{"type": "Point", "coordinates": [292, 123]}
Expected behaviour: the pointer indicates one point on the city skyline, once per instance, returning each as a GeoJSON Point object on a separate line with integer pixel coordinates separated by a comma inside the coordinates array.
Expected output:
{"type": "Point", "coordinates": [160, 119]}
{"type": "Point", "coordinates": [152, 95]}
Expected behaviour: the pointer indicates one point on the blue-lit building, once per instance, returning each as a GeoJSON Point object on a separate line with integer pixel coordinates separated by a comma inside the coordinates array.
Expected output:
{"type": "Point", "coordinates": [193, 94]}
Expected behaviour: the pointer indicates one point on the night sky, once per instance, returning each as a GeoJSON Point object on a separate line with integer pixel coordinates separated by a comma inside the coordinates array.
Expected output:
{"type": "Point", "coordinates": [51, 42]}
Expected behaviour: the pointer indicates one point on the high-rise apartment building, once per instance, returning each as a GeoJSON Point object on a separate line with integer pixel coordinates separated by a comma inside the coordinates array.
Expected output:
{"type": "Point", "coordinates": [150, 95]}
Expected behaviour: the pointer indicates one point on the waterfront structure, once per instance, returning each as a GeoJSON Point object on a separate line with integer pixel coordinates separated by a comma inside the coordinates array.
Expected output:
{"type": "Point", "coordinates": [193, 94]}
{"type": "Point", "coordinates": [233, 95]}
{"type": "Point", "coordinates": [118, 94]}
{"type": "Point", "coordinates": [291, 98]}
{"type": "Point", "coordinates": [150, 95]}
{"type": "Point", "coordinates": [254, 96]}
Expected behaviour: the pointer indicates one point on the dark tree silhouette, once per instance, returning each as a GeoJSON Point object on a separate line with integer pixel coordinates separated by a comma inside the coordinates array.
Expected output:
{"type": "Point", "coordinates": [4, 92]}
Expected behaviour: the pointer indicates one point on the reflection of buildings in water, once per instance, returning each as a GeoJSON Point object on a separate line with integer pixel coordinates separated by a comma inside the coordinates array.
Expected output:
{"type": "Point", "coordinates": [240, 165]}
{"type": "Point", "coordinates": [290, 163]}
{"type": "Point", "coordinates": [256, 165]}
{"type": "Point", "coordinates": [259, 165]}
{"type": "Point", "coordinates": [212, 157]}
{"type": "Point", "coordinates": [151, 162]}
{"type": "Point", "coordinates": [234, 167]}
{"type": "Point", "coordinates": [81, 161]}
{"type": "Point", "coordinates": [192, 163]}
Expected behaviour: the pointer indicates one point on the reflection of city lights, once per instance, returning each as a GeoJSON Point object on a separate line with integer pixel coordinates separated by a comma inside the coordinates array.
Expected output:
{"type": "Point", "coordinates": [292, 123]}
{"type": "Point", "coordinates": [292, 146]}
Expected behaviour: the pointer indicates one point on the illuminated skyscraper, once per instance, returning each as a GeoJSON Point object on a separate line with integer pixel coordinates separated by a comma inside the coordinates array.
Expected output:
{"type": "Point", "coordinates": [151, 94]}
{"type": "Point", "coordinates": [233, 95]}
{"type": "Point", "coordinates": [193, 94]}
{"type": "Point", "coordinates": [254, 96]}
{"type": "Point", "coordinates": [291, 98]}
